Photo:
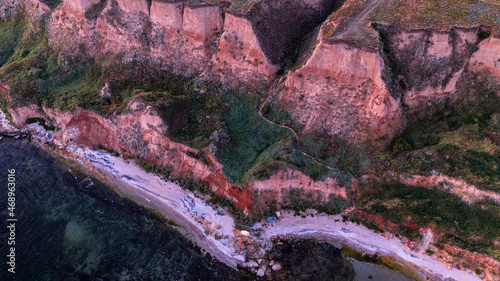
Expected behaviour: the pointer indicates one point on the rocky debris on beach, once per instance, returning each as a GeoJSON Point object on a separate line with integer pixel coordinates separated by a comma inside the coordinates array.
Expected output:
{"type": "Point", "coordinates": [30, 131]}
{"type": "Point", "coordinates": [39, 133]}
{"type": "Point", "coordinates": [15, 134]}
{"type": "Point", "coordinates": [291, 255]}
{"type": "Point", "coordinates": [242, 242]}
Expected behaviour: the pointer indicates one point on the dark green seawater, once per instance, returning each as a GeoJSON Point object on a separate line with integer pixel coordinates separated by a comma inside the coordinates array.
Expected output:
{"type": "Point", "coordinates": [71, 227]}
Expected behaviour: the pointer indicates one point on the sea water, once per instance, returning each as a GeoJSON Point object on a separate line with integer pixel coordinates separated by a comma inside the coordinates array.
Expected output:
{"type": "Point", "coordinates": [69, 226]}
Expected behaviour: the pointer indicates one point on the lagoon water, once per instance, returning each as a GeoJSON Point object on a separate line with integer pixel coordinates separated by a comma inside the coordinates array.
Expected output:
{"type": "Point", "coordinates": [71, 227]}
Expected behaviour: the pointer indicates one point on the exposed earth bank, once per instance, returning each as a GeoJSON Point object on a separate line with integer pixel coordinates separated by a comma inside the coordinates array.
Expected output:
{"type": "Point", "coordinates": [213, 229]}
{"type": "Point", "coordinates": [359, 91]}
{"type": "Point", "coordinates": [356, 85]}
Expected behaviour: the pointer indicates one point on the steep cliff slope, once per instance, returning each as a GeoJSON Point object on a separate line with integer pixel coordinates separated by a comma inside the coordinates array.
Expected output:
{"type": "Point", "coordinates": [191, 37]}
{"type": "Point", "coordinates": [352, 81]}
{"type": "Point", "coordinates": [181, 85]}
{"type": "Point", "coordinates": [360, 81]}
{"type": "Point", "coordinates": [139, 133]}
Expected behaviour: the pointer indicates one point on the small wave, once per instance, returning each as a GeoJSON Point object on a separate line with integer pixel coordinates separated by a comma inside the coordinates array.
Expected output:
{"type": "Point", "coordinates": [85, 183]}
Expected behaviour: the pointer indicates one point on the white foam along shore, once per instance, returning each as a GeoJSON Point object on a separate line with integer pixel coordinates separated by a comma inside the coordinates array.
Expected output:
{"type": "Point", "coordinates": [176, 204]}
{"type": "Point", "coordinates": [179, 205]}
{"type": "Point", "coordinates": [167, 198]}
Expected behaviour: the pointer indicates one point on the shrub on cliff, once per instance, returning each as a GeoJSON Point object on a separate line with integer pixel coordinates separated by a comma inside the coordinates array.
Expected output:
{"type": "Point", "coordinates": [456, 221]}
{"type": "Point", "coordinates": [11, 32]}
{"type": "Point", "coordinates": [457, 139]}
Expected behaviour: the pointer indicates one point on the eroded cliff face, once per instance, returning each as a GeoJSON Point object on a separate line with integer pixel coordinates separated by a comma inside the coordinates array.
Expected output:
{"type": "Point", "coordinates": [357, 94]}
{"type": "Point", "coordinates": [487, 58]}
{"type": "Point", "coordinates": [423, 67]}
{"type": "Point", "coordinates": [140, 132]}
{"type": "Point", "coordinates": [363, 95]}
{"type": "Point", "coordinates": [278, 187]}
{"type": "Point", "coordinates": [187, 39]}
{"type": "Point", "coordinates": [80, 6]}
{"type": "Point", "coordinates": [191, 38]}
{"type": "Point", "coordinates": [339, 90]}
{"type": "Point", "coordinates": [239, 53]}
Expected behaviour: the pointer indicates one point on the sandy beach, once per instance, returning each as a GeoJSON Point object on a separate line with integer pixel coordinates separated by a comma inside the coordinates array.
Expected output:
{"type": "Point", "coordinates": [167, 198]}
{"type": "Point", "coordinates": [214, 230]}
{"type": "Point", "coordinates": [177, 204]}
{"type": "Point", "coordinates": [331, 229]}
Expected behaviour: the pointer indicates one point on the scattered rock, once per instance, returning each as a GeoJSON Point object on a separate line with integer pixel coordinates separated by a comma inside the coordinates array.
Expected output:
{"type": "Point", "coordinates": [260, 272]}
{"type": "Point", "coordinates": [252, 263]}
{"type": "Point", "coordinates": [251, 248]}
{"type": "Point", "coordinates": [107, 90]}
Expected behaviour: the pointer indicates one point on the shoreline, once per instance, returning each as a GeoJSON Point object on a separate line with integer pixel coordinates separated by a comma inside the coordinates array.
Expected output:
{"type": "Point", "coordinates": [328, 228]}
{"type": "Point", "coordinates": [130, 181]}
{"type": "Point", "coordinates": [213, 230]}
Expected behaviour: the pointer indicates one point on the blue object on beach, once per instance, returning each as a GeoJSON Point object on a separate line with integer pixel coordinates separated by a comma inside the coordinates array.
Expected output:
{"type": "Point", "coordinates": [271, 218]}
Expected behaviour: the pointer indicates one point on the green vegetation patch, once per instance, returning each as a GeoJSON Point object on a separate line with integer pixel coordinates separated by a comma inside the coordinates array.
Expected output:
{"type": "Point", "coordinates": [4, 103]}
{"type": "Point", "coordinates": [254, 149]}
{"type": "Point", "coordinates": [164, 171]}
{"type": "Point", "coordinates": [459, 139]}
{"type": "Point", "coordinates": [39, 74]}
{"type": "Point", "coordinates": [193, 116]}
{"type": "Point", "coordinates": [41, 122]}
{"type": "Point", "coordinates": [476, 167]}
{"type": "Point", "coordinates": [472, 227]}
{"type": "Point", "coordinates": [250, 137]}
{"type": "Point", "coordinates": [437, 14]}
{"type": "Point", "coordinates": [298, 200]}
{"type": "Point", "coordinates": [11, 32]}
{"type": "Point", "coordinates": [36, 74]}
{"type": "Point", "coordinates": [109, 150]}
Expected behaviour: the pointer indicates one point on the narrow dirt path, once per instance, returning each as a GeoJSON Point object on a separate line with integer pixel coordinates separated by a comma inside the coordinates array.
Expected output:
{"type": "Point", "coordinates": [426, 240]}
{"type": "Point", "coordinates": [359, 19]}
{"type": "Point", "coordinates": [268, 94]}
